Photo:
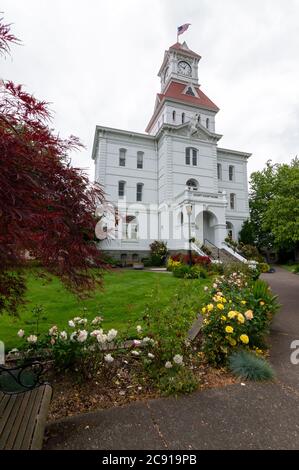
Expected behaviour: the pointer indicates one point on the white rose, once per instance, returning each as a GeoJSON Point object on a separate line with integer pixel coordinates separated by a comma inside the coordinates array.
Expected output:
{"type": "Point", "coordinates": [136, 342]}
{"type": "Point", "coordinates": [96, 332]}
{"type": "Point", "coordinates": [53, 330]}
{"type": "Point", "coordinates": [135, 353]}
{"type": "Point", "coordinates": [73, 336]}
{"type": "Point", "coordinates": [101, 338]}
{"type": "Point", "coordinates": [83, 321]}
{"type": "Point", "coordinates": [82, 336]}
{"type": "Point", "coordinates": [63, 335]}
{"type": "Point", "coordinates": [150, 355]}
{"type": "Point", "coordinates": [206, 288]}
{"type": "Point", "coordinates": [111, 334]}
{"type": "Point", "coordinates": [178, 359]}
{"type": "Point", "coordinates": [71, 324]}
{"type": "Point", "coordinates": [32, 339]}
{"type": "Point", "coordinates": [146, 340]}
{"type": "Point", "coordinates": [97, 320]}
{"type": "Point", "coordinates": [21, 333]}
{"type": "Point", "coordinates": [168, 365]}
{"type": "Point", "coordinates": [108, 358]}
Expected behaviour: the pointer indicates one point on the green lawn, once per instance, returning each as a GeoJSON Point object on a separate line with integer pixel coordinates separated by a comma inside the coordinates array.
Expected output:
{"type": "Point", "coordinates": [121, 302]}
{"type": "Point", "coordinates": [290, 267]}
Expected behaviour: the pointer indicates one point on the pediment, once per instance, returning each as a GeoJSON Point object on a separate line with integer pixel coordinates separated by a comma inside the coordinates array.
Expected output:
{"type": "Point", "coordinates": [196, 132]}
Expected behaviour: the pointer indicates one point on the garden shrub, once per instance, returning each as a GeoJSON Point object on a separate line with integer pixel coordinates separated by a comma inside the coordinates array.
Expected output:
{"type": "Point", "coordinates": [249, 366]}
{"type": "Point", "coordinates": [238, 313]}
{"type": "Point", "coordinates": [189, 272]}
{"type": "Point", "coordinates": [163, 336]}
{"type": "Point", "coordinates": [263, 267]}
{"type": "Point", "coordinates": [158, 253]}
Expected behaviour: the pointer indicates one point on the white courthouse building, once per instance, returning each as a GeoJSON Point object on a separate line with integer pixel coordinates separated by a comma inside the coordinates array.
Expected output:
{"type": "Point", "coordinates": [152, 178]}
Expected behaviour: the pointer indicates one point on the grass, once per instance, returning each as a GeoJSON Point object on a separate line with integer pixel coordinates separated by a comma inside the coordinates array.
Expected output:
{"type": "Point", "coordinates": [293, 268]}
{"type": "Point", "coordinates": [121, 302]}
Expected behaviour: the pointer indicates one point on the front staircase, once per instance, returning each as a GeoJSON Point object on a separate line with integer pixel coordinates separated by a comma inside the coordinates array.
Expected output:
{"type": "Point", "coordinates": [225, 255]}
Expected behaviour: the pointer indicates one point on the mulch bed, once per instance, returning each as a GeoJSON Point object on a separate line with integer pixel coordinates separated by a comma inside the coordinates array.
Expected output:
{"type": "Point", "coordinates": [119, 383]}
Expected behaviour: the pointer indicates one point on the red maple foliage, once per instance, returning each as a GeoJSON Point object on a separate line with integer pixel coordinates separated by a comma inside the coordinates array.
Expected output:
{"type": "Point", "coordinates": [47, 207]}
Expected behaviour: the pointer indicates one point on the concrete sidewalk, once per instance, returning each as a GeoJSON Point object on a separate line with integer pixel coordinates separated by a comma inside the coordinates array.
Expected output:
{"type": "Point", "coordinates": [254, 416]}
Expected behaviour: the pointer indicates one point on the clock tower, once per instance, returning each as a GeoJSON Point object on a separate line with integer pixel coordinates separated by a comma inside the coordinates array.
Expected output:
{"type": "Point", "coordinates": [179, 64]}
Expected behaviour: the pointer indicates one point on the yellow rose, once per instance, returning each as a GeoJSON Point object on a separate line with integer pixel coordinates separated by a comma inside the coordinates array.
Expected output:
{"type": "Point", "coordinates": [220, 306]}
{"type": "Point", "coordinates": [223, 318]}
{"type": "Point", "coordinates": [203, 310]}
{"type": "Point", "coordinates": [229, 329]}
{"type": "Point", "coordinates": [241, 318]}
{"type": "Point", "coordinates": [232, 314]}
{"type": "Point", "coordinates": [210, 307]}
{"type": "Point", "coordinates": [249, 315]}
{"type": "Point", "coordinates": [224, 300]}
{"type": "Point", "coordinates": [244, 339]}
{"type": "Point", "coordinates": [262, 303]}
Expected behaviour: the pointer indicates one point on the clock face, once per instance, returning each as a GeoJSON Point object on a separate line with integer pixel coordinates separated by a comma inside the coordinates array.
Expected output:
{"type": "Point", "coordinates": [184, 68]}
{"type": "Point", "coordinates": [166, 74]}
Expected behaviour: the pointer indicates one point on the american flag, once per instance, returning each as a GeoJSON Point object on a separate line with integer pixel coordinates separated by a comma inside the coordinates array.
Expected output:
{"type": "Point", "coordinates": [183, 28]}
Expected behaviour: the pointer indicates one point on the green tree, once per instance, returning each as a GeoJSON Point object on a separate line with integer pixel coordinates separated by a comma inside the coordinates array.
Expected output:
{"type": "Point", "coordinates": [274, 208]}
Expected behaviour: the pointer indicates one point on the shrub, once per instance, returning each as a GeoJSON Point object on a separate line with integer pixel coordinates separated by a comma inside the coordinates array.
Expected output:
{"type": "Point", "coordinates": [237, 314]}
{"type": "Point", "coordinates": [171, 264]}
{"type": "Point", "coordinates": [264, 267]}
{"type": "Point", "coordinates": [158, 253]}
{"type": "Point", "coordinates": [166, 350]}
{"type": "Point", "coordinates": [250, 252]}
{"type": "Point", "coordinates": [296, 269]}
{"type": "Point", "coordinates": [189, 272]}
{"type": "Point", "coordinates": [249, 366]}
{"type": "Point", "coordinates": [206, 250]}
{"type": "Point", "coordinates": [79, 347]}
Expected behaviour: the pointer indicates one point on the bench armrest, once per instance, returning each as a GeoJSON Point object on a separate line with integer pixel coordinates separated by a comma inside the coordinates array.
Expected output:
{"type": "Point", "coordinates": [20, 378]}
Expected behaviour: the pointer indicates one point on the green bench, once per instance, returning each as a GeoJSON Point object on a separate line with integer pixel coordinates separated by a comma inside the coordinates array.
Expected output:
{"type": "Point", "coordinates": [24, 405]}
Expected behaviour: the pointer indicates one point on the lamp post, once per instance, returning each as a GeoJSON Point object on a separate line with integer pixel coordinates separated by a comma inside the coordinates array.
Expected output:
{"type": "Point", "coordinates": [189, 212]}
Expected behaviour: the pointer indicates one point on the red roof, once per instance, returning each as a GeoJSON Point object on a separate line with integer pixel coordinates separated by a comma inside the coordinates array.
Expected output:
{"type": "Point", "coordinates": [175, 92]}
{"type": "Point", "coordinates": [184, 48]}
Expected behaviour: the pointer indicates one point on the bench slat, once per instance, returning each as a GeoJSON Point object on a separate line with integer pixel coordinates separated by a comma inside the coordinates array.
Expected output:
{"type": "Point", "coordinates": [38, 436]}
{"type": "Point", "coordinates": [32, 425]}
{"type": "Point", "coordinates": [6, 413]}
{"type": "Point", "coordinates": [23, 426]}
{"type": "Point", "coordinates": [4, 398]}
{"type": "Point", "coordinates": [9, 425]}
{"type": "Point", "coordinates": [13, 431]}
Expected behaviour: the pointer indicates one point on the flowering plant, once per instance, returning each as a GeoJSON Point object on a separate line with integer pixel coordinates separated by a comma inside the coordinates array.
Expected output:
{"type": "Point", "coordinates": [80, 346]}
{"type": "Point", "coordinates": [238, 314]}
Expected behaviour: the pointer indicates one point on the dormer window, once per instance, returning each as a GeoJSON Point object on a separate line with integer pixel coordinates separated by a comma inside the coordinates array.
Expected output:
{"type": "Point", "coordinates": [190, 91]}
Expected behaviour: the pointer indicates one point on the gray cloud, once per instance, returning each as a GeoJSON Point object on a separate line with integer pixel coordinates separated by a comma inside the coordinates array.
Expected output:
{"type": "Point", "coordinates": [97, 62]}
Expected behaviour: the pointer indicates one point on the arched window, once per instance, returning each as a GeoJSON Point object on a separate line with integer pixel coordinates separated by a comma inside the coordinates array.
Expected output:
{"type": "Point", "coordinates": [139, 191]}
{"type": "Point", "coordinates": [173, 116]}
{"type": "Point", "coordinates": [192, 184]}
{"type": "Point", "coordinates": [232, 201]}
{"type": "Point", "coordinates": [122, 157]}
{"type": "Point", "coordinates": [191, 156]}
{"type": "Point", "coordinates": [140, 159]}
{"type": "Point", "coordinates": [207, 123]}
{"type": "Point", "coordinates": [183, 118]}
{"type": "Point", "coordinates": [121, 189]}
{"type": "Point", "coordinates": [219, 171]}
{"type": "Point", "coordinates": [231, 173]}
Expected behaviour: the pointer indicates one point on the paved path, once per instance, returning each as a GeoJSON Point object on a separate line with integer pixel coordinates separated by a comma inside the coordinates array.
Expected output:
{"type": "Point", "coordinates": [254, 416]}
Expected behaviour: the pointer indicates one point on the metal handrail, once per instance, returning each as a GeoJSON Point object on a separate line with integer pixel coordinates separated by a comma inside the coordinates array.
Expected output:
{"type": "Point", "coordinates": [214, 246]}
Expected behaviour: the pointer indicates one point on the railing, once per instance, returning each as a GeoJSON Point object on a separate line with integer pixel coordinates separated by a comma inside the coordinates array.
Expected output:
{"type": "Point", "coordinates": [208, 244]}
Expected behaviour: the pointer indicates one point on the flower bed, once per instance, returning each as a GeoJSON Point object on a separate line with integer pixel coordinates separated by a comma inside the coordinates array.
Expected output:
{"type": "Point", "coordinates": [237, 315]}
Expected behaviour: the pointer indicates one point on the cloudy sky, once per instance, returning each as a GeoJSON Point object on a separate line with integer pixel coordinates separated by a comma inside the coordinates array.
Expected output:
{"type": "Point", "coordinates": [96, 61]}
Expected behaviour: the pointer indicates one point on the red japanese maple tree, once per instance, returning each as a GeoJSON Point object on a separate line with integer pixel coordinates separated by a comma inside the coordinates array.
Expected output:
{"type": "Point", "coordinates": [47, 207]}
